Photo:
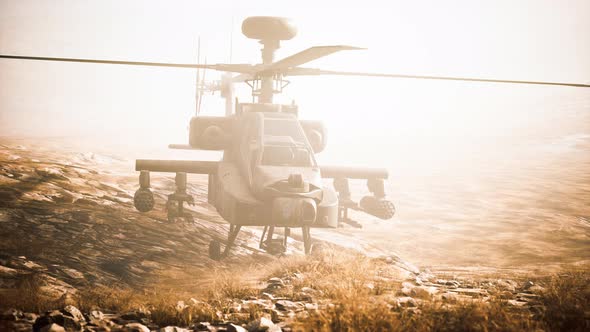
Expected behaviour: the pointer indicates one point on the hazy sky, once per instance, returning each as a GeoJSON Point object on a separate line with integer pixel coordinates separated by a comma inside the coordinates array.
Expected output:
{"type": "Point", "coordinates": [522, 40]}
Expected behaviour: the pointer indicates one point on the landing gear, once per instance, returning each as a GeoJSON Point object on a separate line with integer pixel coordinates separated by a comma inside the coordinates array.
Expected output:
{"type": "Point", "coordinates": [215, 250]}
{"type": "Point", "coordinates": [306, 230]}
{"type": "Point", "coordinates": [215, 246]}
{"type": "Point", "coordinates": [271, 245]}
{"type": "Point", "coordinates": [143, 200]}
{"type": "Point", "coordinates": [279, 245]}
{"type": "Point", "coordinates": [175, 203]}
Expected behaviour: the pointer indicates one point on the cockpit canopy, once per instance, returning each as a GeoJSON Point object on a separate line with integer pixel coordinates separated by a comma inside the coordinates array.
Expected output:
{"type": "Point", "coordinates": [283, 152]}
{"type": "Point", "coordinates": [284, 143]}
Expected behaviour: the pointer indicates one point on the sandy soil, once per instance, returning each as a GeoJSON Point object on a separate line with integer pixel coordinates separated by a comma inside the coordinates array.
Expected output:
{"type": "Point", "coordinates": [512, 216]}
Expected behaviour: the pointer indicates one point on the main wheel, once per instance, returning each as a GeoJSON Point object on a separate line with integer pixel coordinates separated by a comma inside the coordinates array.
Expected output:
{"type": "Point", "coordinates": [215, 250]}
{"type": "Point", "coordinates": [143, 200]}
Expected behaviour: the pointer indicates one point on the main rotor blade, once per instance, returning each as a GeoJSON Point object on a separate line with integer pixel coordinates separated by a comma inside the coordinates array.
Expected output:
{"type": "Point", "coordinates": [235, 68]}
{"type": "Point", "coordinates": [305, 56]}
{"type": "Point", "coordinates": [301, 71]}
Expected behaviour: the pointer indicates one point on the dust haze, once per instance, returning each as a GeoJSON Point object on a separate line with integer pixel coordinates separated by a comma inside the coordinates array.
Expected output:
{"type": "Point", "coordinates": [482, 175]}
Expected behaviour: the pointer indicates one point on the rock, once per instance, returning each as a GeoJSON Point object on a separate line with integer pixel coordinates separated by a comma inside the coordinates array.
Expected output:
{"type": "Point", "coordinates": [506, 285]}
{"type": "Point", "coordinates": [263, 324]}
{"type": "Point", "coordinates": [202, 326]}
{"type": "Point", "coordinates": [423, 292]}
{"type": "Point", "coordinates": [406, 301]}
{"type": "Point", "coordinates": [260, 304]}
{"type": "Point", "coordinates": [308, 290]}
{"type": "Point", "coordinates": [450, 297]}
{"type": "Point", "coordinates": [235, 328]}
{"type": "Point", "coordinates": [471, 291]}
{"type": "Point", "coordinates": [136, 327]}
{"type": "Point", "coordinates": [235, 308]}
{"type": "Point", "coordinates": [71, 324]}
{"type": "Point", "coordinates": [527, 285]}
{"type": "Point", "coordinates": [135, 316]}
{"type": "Point", "coordinates": [516, 303]}
{"type": "Point", "coordinates": [49, 318]}
{"type": "Point", "coordinates": [407, 284]}
{"type": "Point", "coordinates": [405, 291]}
{"type": "Point", "coordinates": [73, 312]}
{"type": "Point", "coordinates": [276, 281]}
{"type": "Point", "coordinates": [286, 305]}
{"type": "Point", "coordinates": [527, 297]}
{"type": "Point", "coordinates": [11, 315]}
{"type": "Point", "coordinates": [6, 272]}
{"type": "Point", "coordinates": [96, 315]}
{"type": "Point", "coordinates": [52, 328]}
{"type": "Point", "coordinates": [30, 317]}
{"type": "Point", "coordinates": [452, 284]}
{"type": "Point", "coordinates": [536, 289]}
{"type": "Point", "coordinates": [298, 276]}
{"type": "Point", "coordinates": [173, 329]}
{"type": "Point", "coordinates": [311, 306]}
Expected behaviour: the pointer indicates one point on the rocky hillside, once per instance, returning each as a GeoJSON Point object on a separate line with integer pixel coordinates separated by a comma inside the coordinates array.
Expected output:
{"type": "Point", "coordinates": [75, 255]}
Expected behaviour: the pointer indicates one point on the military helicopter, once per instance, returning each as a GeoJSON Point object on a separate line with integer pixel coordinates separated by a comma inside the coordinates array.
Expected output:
{"type": "Point", "coordinates": [268, 175]}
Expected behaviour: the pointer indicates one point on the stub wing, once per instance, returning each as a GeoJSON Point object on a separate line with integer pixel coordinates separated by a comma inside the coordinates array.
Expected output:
{"type": "Point", "coordinates": [376, 204]}
{"type": "Point", "coordinates": [176, 166]}
{"type": "Point", "coordinates": [335, 172]}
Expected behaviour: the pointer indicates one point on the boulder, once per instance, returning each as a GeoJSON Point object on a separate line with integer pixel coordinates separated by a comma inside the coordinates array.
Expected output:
{"type": "Point", "coordinates": [11, 315]}
{"type": "Point", "coordinates": [136, 327]}
{"type": "Point", "coordinates": [286, 305]}
{"type": "Point", "coordinates": [235, 328]}
{"type": "Point", "coordinates": [406, 301]}
{"type": "Point", "coordinates": [52, 328]}
{"type": "Point", "coordinates": [450, 297]}
{"type": "Point", "coordinates": [263, 324]}
{"type": "Point", "coordinates": [173, 329]}
{"type": "Point", "coordinates": [74, 313]}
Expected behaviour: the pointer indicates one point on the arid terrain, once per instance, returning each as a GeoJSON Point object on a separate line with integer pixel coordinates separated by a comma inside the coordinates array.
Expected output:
{"type": "Point", "coordinates": [501, 251]}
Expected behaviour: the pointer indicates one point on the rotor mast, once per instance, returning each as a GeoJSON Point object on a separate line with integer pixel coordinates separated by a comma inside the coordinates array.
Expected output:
{"type": "Point", "coordinates": [269, 31]}
{"type": "Point", "coordinates": [267, 81]}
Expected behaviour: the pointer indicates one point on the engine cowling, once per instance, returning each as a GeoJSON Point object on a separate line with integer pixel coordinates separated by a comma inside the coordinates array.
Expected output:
{"type": "Point", "coordinates": [210, 132]}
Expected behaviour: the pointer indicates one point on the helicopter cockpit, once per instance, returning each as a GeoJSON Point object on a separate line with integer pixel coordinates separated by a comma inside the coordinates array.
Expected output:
{"type": "Point", "coordinates": [290, 154]}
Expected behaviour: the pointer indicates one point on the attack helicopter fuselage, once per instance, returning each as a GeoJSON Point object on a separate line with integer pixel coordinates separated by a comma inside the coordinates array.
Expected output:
{"type": "Point", "coordinates": [268, 174]}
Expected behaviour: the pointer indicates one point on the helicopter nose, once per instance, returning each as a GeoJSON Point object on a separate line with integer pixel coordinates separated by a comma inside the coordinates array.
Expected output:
{"type": "Point", "coordinates": [294, 211]}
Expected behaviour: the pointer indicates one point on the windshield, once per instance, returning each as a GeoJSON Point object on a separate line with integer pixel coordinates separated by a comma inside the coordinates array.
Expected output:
{"type": "Point", "coordinates": [284, 127]}
{"type": "Point", "coordinates": [276, 155]}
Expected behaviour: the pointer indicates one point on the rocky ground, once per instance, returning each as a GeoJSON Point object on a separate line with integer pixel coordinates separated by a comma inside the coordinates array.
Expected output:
{"type": "Point", "coordinates": [75, 255]}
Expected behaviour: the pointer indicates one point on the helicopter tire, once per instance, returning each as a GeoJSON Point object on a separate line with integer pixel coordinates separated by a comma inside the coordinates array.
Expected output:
{"type": "Point", "coordinates": [215, 250]}
{"type": "Point", "coordinates": [143, 200]}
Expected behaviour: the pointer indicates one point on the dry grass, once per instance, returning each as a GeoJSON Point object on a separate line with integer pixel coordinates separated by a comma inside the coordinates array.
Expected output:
{"type": "Point", "coordinates": [29, 296]}
{"type": "Point", "coordinates": [344, 279]}
{"type": "Point", "coordinates": [567, 301]}
{"type": "Point", "coordinates": [354, 292]}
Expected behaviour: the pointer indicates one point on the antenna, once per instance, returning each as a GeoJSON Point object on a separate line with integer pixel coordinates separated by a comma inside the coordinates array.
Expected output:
{"type": "Point", "coordinates": [202, 86]}
{"type": "Point", "coordinates": [231, 40]}
{"type": "Point", "coordinates": [198, 92]}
